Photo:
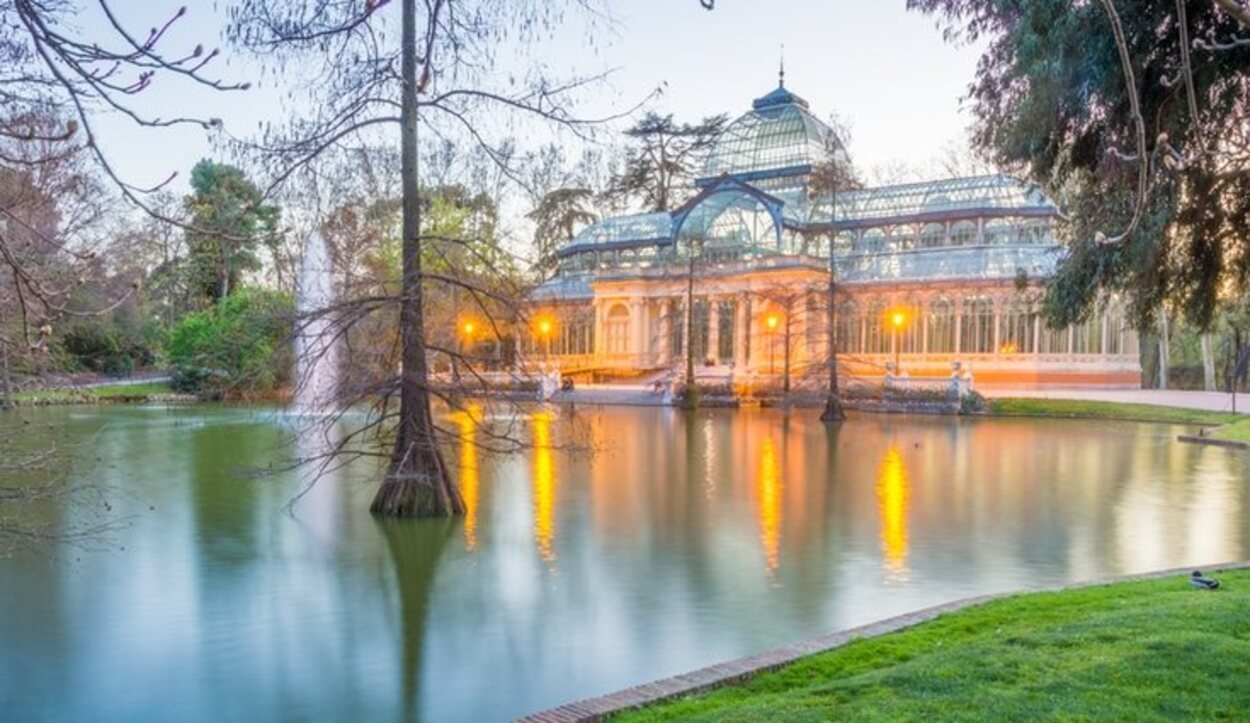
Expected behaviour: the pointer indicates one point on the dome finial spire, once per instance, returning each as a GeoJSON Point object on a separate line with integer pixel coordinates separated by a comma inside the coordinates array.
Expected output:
{"type": "Point", "coordinates": [781, 74]}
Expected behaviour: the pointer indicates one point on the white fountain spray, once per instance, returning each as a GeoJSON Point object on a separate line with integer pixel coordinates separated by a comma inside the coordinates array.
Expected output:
{"type": "Point", "coordinates": [316, 364]}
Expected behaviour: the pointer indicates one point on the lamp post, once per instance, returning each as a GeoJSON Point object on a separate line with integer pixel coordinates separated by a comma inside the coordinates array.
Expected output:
{"type": "Point", "coordinates": [897, 319]}
{"type": "Point", "coordinates": [544, 333]}
{"type": "Point", "coordinates": [466, 345]}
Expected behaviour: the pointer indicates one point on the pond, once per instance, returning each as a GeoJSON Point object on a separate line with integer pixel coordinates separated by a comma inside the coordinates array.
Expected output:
{"type": "Point", "coordinates": [658, 543]}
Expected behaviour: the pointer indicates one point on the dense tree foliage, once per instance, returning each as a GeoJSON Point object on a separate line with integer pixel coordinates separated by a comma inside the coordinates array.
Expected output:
{"type": "Point", "coordinates": [230, 222]}
{"type": "Point", "coordinates": [559, 214]}
{"type": "Point", "coordinates": [236, 348]}
{"type": "Point", "coordinates": [1154, 172]}
{"type": "Point", "coordinates": [664, 160]}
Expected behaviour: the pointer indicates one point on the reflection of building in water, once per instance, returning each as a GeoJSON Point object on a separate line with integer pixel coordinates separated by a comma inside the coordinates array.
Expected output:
{"type": "Point", "coordinates": [892, 500]}
{"type": "Point", "coordinates": [768, 498]}
{"type": "Point", "coordinates": [948, 255]}
{"type": "Point", "coordinates": [469, 474]}
{"type": "Point", "coordinates": [544, 485]}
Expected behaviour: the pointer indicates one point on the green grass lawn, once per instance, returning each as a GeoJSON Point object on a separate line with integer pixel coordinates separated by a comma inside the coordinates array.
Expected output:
{"type": "Point", "coordinates": [1079, 409]}
{"type": "Point", "coordinates": [1152, 650]}
{"type": "Point", "coordinates": [1237, 431]}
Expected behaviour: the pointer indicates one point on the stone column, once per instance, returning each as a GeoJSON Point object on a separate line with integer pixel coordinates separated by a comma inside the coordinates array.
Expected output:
{"type": "Point", "coordinates": [636, 321]}
{"type": "Point", "coordinates": [601, 337]}
{"type": "Point", "coordinates": [922, 318]}
{"type": "Point", "coordinates": [713, 328]}
{"type": "Point", "coordinates": [666, 330]}
{"type": "Point", "coordinates": [997, 306]}
{"type": "Point", "coordinates": [959, 328]}
{"type": "Point", "coordinates": [742, 328]}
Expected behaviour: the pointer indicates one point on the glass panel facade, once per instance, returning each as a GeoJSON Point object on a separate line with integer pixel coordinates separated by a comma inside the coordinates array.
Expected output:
{"type": "Point", "coordinates": [1087, 336]}
{"type": "Point", "coordinates": [727, 311]}
{"type": "Point", "coordinates": [1015, 328]}
{"type": "Point", "coordinates": [876, 337]}
{"type": "Point", "coordinates": [977, 326]}
{"type": "Point", "coordinates": [911, 334]}
{"type": "Point", "coordinates": [940, 318]}
{"type": "Point", "coordinates": [848, 329]}
{"type": "Point", "coordinates": [616, 327]}
{"type": "Point", "coordinates": [1053, 341]}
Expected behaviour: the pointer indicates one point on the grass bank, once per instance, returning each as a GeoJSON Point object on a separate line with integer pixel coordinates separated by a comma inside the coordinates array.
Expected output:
{"type": "Point", "coordinates": [1145, 650]}
{"type": "Point", "coordinates": [1081, 409]}
{"type": "Point", "coordinates": [109, 391]}
{"type": "Point", "coordinates": [1238, 431]}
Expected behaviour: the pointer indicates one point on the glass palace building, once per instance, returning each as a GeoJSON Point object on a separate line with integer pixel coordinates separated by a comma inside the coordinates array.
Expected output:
{"type": "Point", "coordinates": [931, 274]}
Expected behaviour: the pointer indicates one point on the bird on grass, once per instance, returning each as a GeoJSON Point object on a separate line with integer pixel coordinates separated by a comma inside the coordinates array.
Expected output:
{"type": "Point", "coordinates": [1203, 583]}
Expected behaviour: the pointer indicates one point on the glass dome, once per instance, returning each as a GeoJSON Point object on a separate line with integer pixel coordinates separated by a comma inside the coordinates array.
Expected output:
{"type": "Point", "coordinates": [779, 136]}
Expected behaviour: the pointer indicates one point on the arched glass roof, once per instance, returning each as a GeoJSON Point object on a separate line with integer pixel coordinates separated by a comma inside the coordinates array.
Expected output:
{"type": "Point", "coordinates": [623, 231]}
{"type": "Point", "coordinates": [777, 137]}
{"type": "Point", "coordinates": [976, 195]}
{"type": "Point", "coordinates": [731, 213]}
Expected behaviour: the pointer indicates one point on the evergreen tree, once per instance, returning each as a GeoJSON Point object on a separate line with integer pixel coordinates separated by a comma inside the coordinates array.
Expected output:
{"type": "Point", "coordinates": [557, 217]}
{"type": "Point", "coordinates": [665, 160]}
{"type": "Point", "coordinates": [230, 222]}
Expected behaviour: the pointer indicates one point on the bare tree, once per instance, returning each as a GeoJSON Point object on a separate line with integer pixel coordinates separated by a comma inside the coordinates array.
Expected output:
{"type": "Point", "coordinates": [433, 78]}
{"type": "Point", "coordinates": [833, 175]}
{"type": "Point", "coordinates": [54, 82]}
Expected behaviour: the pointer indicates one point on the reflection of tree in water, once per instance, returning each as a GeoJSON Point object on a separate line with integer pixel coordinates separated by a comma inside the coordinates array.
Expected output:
{"type": "Point", "coordinates": [223, 496]}
{"type": "Point", "coordinates": [416, 547]}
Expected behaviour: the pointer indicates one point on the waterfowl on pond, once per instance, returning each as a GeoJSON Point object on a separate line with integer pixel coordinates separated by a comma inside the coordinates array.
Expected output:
{"type": "Point", "coordinates": [1203, 583]}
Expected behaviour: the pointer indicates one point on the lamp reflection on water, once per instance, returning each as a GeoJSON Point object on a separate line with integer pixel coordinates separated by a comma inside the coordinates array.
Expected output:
{"type": "Point", "coordinates": [892, 499]}
{"type": "Point", "coordinates": [768, 493]}
{"type": "Point", "coordinates": [467, 421]}
{"type": "Point", "coordinates": [544, 485]}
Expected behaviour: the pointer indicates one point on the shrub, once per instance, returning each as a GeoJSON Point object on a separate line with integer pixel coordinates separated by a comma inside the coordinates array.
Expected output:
{"type": "Point", "coordinates": [236, 347]}
{"type": "Point", "coordinates": [105, 345]}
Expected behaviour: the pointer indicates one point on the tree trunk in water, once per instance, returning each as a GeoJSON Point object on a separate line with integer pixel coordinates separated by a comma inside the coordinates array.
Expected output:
{"type": "Point", "coordinates": [833, 401]}
{"type": "Point", "coordinates": [691, 398]}
{"type": "Point", "coordinates": [1208, 363]}
{"type": "Point", "coordinates": [417, 484]}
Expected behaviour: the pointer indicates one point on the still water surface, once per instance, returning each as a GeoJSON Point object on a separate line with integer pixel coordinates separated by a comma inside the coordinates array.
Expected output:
{"type": "Point", "coordinates": [682, 541]}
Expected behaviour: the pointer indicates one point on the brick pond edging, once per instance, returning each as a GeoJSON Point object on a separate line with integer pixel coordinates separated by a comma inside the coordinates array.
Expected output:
{"type": "Point", "coordinates": [1213, 441]}
{"type": "Point", "coordinates": [743, 669]}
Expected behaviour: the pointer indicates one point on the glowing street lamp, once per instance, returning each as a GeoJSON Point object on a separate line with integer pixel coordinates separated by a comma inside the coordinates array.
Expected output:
{"type": "Point", "coordinates": [898, 319]}
{"type": "Point", "coordinates": [772, 320]}
{"type": "Point", "coordinates": [545, 327]}
{"type": "Point", "coordinates": [467, 327]}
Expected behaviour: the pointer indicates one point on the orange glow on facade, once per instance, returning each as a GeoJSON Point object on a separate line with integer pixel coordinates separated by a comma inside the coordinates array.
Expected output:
{"type": "Point", "coordinates": [898, 319]}
{"type": "Point", "coordinates": [893, 495]}
{"type": "Point", "coordinates": [544, 486]}
{"type": "Point", "coordinates": [768, 491]}
{"type": "Point", "coordinates": [469, 474]}
{"type": "Point", "coordinates": [468, 328]}
{"type": "Point", "coordinates": [773, 320]}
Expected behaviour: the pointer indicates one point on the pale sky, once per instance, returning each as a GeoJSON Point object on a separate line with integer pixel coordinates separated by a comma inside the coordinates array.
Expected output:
{"type": "Point", "coordinates": [886, 71]}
